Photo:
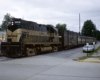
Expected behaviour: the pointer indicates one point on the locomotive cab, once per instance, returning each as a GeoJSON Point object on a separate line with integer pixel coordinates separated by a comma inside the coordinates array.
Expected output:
{"type": "Point", "coordinates": [12, 47]}
{"type": "Point", "coordinates": [27, 38]}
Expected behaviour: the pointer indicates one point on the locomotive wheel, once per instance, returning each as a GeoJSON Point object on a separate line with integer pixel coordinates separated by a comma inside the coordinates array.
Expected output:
{"type": "Point", "coordinates": [55, 48]}
{"type": "Point", "coordinates": [31, 52]}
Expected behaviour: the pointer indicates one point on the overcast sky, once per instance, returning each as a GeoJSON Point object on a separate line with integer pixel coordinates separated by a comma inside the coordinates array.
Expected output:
{"type": "Point", "coordinates": [53, 11]}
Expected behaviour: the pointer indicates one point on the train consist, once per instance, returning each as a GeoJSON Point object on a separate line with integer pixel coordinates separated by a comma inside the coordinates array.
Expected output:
{"type": "Point", "coordinates": [27, 38]}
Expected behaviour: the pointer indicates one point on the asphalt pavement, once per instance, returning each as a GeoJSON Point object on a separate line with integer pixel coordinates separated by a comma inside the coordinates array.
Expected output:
{"type": "Point", "coordinates": [52, 66]}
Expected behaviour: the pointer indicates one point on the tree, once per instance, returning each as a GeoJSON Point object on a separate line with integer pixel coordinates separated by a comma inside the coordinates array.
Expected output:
{"type": "Point", "coordinates": [61, 26]}
{"type": "Point", "coordinates": [89, 29]}
{"type": "Point", "coordinates": [98, 35]}
{"type": "Point", "coordinates": [5, 21]}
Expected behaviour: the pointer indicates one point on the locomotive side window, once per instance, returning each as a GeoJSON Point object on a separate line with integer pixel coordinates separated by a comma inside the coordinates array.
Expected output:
{"type": "Point", "coordinates": [45, 30]}
{"type": "Point", "coordinates": [17, 22]}
{"type": "Point", "coordinates": [55, 32]}
{"type": "Point", "coordinates": [29, 26]}
{"type": "Point", "coordinates": [32, 27]}
{"type": "Point", "coordinates": [35, 27]}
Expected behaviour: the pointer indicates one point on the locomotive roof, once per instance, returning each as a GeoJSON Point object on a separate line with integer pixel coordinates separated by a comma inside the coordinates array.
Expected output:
{"type": "Point", "coordinates": [19, 19]}
{"type": "Point", "coordinates": [85, 36]}
{"type": "Point", "coordinates": [28, 22]}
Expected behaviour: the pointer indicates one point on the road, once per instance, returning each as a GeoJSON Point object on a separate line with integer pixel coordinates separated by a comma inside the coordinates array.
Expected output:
{"type": "Point", "coordinates": [51, 66]}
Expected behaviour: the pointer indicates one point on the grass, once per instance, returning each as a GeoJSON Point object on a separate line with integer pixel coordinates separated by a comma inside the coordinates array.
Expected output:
{"type": "Point", "coordinates": [90, 54]}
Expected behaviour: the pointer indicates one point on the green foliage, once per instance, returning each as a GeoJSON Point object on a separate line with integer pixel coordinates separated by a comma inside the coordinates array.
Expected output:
{"type": "Point", "coordinates": [89, 29]}
{"type": "Point", "coordinates": [61, 26]}
{"type": "Point", "coordinates": [98, 35]}
{"type": "Point", "coordinates": [5, 21]}
{"type": "Point", "coordinates": [50, 25]}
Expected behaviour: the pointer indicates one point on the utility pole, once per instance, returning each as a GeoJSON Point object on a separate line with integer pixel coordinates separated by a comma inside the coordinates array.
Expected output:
{"type": "Point", "coordinates": [79, 23]}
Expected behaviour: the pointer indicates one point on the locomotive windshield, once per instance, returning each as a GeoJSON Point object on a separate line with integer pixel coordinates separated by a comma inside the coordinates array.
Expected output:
{"type": "Point", "coordinates": [14, 24]}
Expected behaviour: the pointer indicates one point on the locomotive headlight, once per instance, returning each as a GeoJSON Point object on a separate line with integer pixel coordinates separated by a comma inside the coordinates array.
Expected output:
{"type": "Point", "coordinates": [12, 23]}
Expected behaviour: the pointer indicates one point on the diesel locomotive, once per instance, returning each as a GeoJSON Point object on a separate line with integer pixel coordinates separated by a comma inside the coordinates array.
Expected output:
{"type": "Point", "coordinates": [27, 38]}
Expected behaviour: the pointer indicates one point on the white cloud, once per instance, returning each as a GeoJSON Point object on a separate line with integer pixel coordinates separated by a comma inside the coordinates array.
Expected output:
{"type": "Point", "coordinates": [53, 11]}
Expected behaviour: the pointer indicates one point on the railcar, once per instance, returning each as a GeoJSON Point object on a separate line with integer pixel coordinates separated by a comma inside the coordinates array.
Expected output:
{"type": "Point", "coordinates": [82, 40]}
{"type": "Point", "coordinates": [68, 38]}
{"type": "Point", "coordinates": [26, 38]}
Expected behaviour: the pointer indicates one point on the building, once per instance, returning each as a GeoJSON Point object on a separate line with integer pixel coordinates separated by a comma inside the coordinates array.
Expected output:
{"type": "Point", "coordinates": [2, 36]}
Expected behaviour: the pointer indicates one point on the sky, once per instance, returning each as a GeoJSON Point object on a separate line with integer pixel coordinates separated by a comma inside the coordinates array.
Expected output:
{"type": "Point", "coordinates": [53, 11]}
